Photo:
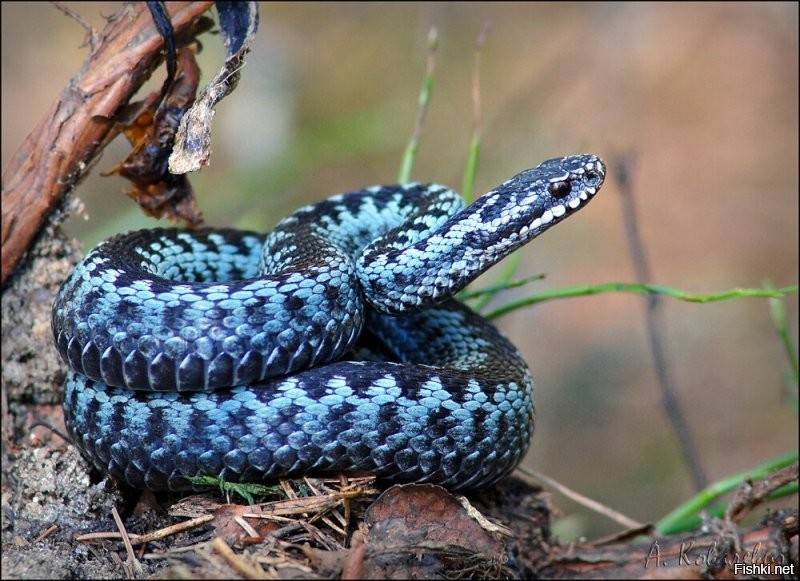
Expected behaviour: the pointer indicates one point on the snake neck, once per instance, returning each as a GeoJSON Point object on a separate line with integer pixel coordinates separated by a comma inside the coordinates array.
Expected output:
{"type": "Point", "coordinates": [397, 274]}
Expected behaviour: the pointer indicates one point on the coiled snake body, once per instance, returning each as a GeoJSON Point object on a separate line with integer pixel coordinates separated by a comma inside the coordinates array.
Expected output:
{"type": "Point", "coordinates": [158, 325]}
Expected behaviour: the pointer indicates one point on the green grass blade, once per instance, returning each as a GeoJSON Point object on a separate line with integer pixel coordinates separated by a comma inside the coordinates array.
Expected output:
{"type": "Point", "coordinates": [778, 314]}
{"type": "Point", "coordinates": [471, 169]}
{"type": "Point", "coordinates": [503, 281]}
{"type": "Point", "coordinates": [410, 155]}
{"type": "Point", "coordinates": [498, 287]}
{"type": "Point", "coordinates": [718, 510]}
{"type": "Point", "coordinates": [587, 290]}
{"type": "Point", "coordinates": [670, 523]}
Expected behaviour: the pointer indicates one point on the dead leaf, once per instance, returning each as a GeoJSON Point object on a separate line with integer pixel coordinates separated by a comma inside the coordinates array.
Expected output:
{"type": "Point", "coordinates": [423, 531]}
{"type": "Point", "coordinates": [230, 523]}
{"type": "Point", "coordinates": [150, 127]}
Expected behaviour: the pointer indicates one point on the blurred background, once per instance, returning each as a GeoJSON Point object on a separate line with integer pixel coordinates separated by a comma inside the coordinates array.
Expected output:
{"type": "Point", "coordinates": [704, 95]}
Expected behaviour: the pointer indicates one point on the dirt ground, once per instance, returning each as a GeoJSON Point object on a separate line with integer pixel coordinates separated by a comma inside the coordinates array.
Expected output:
{"type": "Point", "coordinates": [46, 489]}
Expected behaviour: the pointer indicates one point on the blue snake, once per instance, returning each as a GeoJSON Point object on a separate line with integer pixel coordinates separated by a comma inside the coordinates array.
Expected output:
{"type": "Point", "coordinates": [332, 344]}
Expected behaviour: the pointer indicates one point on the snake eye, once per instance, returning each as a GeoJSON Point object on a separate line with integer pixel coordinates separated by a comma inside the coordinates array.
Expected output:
{"type": "Point", "coordinates": [559, 189]}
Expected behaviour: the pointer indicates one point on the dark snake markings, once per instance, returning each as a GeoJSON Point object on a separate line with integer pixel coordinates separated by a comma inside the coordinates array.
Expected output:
{"type": "Point", "coordinates": [157, 325]}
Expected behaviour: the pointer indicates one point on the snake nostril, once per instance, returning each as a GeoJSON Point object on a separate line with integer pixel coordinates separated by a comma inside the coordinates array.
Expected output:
{"type": "Point", "coordinates": [593, 178]}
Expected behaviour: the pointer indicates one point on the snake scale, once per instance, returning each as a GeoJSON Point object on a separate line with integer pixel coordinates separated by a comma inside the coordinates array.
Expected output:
{"type": "Point", "coordinates": [331, 345]}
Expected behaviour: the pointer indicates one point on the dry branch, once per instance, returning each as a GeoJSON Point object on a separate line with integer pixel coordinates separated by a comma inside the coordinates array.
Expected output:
{"type": "Point", "coordinates": [59, 152]}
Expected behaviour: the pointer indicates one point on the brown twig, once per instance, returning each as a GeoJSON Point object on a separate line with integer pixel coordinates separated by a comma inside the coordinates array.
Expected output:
{"type": "Point", "coordinates": [154, 536]}
{"type": "Point", "coordinates": [132, 566]}
{"type": "Point", "coordinates": [61, 149]}
{"type": "Point", "coordinates": [655, 327]}
{"type": "Point", "coordinates": [238, 563]}
{"type": "Point", "coordinates": [477, 121]}
{"type": "Point", "coordinates": [589, 503]}
{"type": "Point", "coordinates": [50, 530]}
{"type": "Point", "coordinates": [91, 33]}
{"type": "Point", "coordinates": [749, 494]}
{"type": "Point", "coordinates": [430, 66]}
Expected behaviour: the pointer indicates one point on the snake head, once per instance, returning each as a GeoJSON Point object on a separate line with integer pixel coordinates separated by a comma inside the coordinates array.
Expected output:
{"type": "Point", "coordinates": [572, 175]}
{"type": "Point", "coordinates": [532, 201]}
{"type": "Point", "coordinates": [557, 187]}
{"type": "Point", "coordinates": [537, 199]}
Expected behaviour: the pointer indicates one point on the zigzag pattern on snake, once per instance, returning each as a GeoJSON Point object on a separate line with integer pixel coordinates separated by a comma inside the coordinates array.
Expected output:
{"type": "Point", "coordinates": [337, 330]}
